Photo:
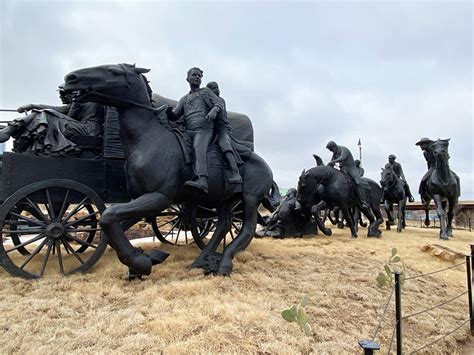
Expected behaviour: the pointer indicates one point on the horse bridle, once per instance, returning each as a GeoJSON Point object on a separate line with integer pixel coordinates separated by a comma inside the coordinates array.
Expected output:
{"type": "Point", "coordinates": [156, 110]}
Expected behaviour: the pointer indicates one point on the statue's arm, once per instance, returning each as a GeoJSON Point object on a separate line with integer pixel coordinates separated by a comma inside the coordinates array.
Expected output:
{"type": "Point", "coordinates": [24, 108]}
{"type": "Point", "coordinates": [175, 113]}
{"type": "Point", "coordinates": [216, 103]}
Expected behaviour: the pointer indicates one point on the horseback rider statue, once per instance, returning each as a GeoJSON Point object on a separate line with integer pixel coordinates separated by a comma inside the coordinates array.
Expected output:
{"type": "Point", "coordinates": [426, 146]}
{"type": "Point", "coordinates": [343, 156]}
{"type": "Point", "coordinates": [359, 167]}
{"type": "Point", "coordinates": [198, 109]}
{"type": "Point", "coordinates": [397, 169]}
{"type": "Point", "coordinates": [223, 130]}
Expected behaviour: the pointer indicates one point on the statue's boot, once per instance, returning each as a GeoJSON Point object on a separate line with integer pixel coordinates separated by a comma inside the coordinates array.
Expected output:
{"type": "Point", "coordinates": [199, 184]}
{"type": "Point", "coordinates": [235, 178]}
{"type": "Point", "coordinates": [138, 261]}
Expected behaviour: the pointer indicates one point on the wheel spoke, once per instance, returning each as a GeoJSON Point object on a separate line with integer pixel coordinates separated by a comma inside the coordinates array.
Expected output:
{"type": "Point", "coordinates": [70, 248]}
{"type": "Point", "coordinates": [174, 225]}
{"type": "Point", "coordinates": [50, 206]}
{"type": "Point", "coordinates": [186, 235]}
{"type": "Point", "coordinates": [60, 257]}
{"type": "Point", "coordinates": [83, 230]}
{"type": "Point", "coordinates": [38, 210]}
{"type": "Point", "coordinates": [46, 257]}
{"type": "Point", "coordinates": [208, 209]}
{"type": "Point", "coordinates": [76, 209]}
{"type": "Point", "coordinates": [32, 240]}
{"type": "Point", "coordinates": [80, 241]}
{"type": "Point", "coordinates": [231, 234]}
{"type": "Point", "coordinates": [236, 205]}
{"type": "Point", "coordinates": [237, 228]}
{"type": "Point", "coordinates": [32, 221]}
{"type": "Point", "coordinates": [81, 219]}
{"type": "Point", "coordinates": [64, 205]}
{"type": "Point", "coordinates": [36, 251]}
{"type": "Point", "coordinates": [24, 231]}
{"type": "Point", "coordinates": [170, 221]}
{"type": "Point", "coordinates": [177, 235]}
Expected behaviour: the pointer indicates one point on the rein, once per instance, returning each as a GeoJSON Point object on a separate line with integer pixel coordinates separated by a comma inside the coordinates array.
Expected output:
{"type": "Point", "coordinates": [130, 102]}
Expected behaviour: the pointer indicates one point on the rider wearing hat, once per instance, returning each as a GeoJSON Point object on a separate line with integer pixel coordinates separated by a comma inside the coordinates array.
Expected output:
{"type": "Point", "coordinates": [397, 169]}
{"type": "Point", "coordinates": [343, 156]}
{"type": "Point", "coordinates": [425, 145]}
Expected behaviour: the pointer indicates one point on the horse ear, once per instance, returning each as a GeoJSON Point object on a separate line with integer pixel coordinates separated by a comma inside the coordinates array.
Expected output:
{"type": "Point", "coordinates": [303, 172]}
{"type": "Point", "coordinates": [141, 70]}
{"type": "Point", "coordinates": [382, 169]}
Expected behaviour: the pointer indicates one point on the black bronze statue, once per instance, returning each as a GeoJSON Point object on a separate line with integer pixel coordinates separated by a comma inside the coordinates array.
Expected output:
{"type": "Point", "coordinates": [359, 167]}
{"type": "Point", "coordinates": [225, 141]}
{"type": "Point", "coordinates": [199, 108]}
{"type": "Point", "coordinates": [394, 191]}
{"type": "Point", "coordinates": [325, 187]}
{"type": "Point", "coordinates": [287, 221]}
{"type": "Point", "coordinates": [440, 183]}
{"type": "Point", "coordinates": [343, 157]}
{"type": "Point", "coordinates": [397, 169]}
{"type": "Point", "coordinates": [48, 130]}
{"type": "Point", "coordinates": [156, 167]}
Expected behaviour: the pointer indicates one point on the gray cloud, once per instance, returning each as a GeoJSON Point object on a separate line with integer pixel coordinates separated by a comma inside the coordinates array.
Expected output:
{"type": "Point", "coordinates": [305, 72]}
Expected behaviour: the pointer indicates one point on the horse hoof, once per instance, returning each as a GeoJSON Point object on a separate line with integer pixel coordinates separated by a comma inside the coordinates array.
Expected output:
{"type": "Point", "coordinates": [199, 263]}
{"type": "Point", "coordinates": [353, 236]}
{"type": "Point", "coordinates": [327, 232]}
{"type": "Point", "coordinates": [157, 256]}
{"type": "Point", "coordinates": [133, 275]}
{"type": "Point", "coordinates": [140, 264]}
{"type": "Point", "coordinates": [427, 223]}
{"type": "Point", "coordinates": [225, 268]}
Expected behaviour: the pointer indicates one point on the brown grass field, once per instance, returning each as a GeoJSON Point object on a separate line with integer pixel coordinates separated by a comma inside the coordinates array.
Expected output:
{"type": "Point", "coordinates": [176, 310]}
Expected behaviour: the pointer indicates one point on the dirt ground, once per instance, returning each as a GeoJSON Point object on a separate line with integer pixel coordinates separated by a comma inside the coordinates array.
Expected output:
{"type": "Point", "coordinates": [177, 310]}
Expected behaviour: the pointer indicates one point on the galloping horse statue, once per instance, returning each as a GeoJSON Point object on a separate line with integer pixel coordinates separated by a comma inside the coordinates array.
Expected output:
{"type": "Point", "coordinates": [324, 187]}
{"type": "Point", "coordinates": [156, 170]}
{"type": "Point", "coordinates": [393, 192]}
{"type": "Point", "coordinates": [443, 188]}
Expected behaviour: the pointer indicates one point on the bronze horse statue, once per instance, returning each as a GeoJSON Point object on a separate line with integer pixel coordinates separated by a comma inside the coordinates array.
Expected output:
{"type": "Point", "coordinates": [325, 187]}
{"type": "Point", "coordinates": [393, 192]}
{"type": "Point", "coordinates": [156, 170]}
{"type": "Point", "coordinates": [443, 188]}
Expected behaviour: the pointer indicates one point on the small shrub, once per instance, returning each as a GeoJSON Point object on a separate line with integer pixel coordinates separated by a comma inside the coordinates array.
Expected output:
{"type": "Point", "coordinates": [394, 264]}
{"type": "Point", "coordinates": [297, 313]}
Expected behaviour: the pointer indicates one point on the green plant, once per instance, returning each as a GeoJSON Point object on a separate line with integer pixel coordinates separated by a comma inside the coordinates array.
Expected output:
{"type": "Point", "coordinates": [297, 313]}
{"type": "Point", "coordinates": [394, 264]}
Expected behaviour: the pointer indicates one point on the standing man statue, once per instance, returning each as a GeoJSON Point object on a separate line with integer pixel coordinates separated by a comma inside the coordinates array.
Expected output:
{"type": "Point", "coordinates": [359, 168]}
{"type": "Point", "coordinates": [223, 129]}
{"type": "Point", "coordinates": [343, 156]}
{"type": "Point", "coordinates": [198, 109]}
{"type": "Point", "coordinates": [397, 169]}
{"type": "Point", "coordinates": [425, 145]}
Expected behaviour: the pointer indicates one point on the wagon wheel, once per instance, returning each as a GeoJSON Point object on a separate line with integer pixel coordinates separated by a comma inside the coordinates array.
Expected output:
{"type": "Point", "coordinates": [208, 217]}
{"type": "Point", "coordinates": [173, 225]}
{"type": "Point", "coordinates": [60, 228]}
{"type": "Point", "coordinates": [15, 223]}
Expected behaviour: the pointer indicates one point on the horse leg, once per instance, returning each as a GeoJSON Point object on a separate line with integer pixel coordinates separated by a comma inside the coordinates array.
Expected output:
{"type": "Point", "coordinates": [386, 206]}
{"type": "Point", "coordinates": [441, 215]}
{"type": "Point", "coordinates": [146, 205]}
{"type": "Point", "coordinates": [401, 214]}
{"type": "Point", "coordinates": [449, 227]}
{"type": "Point", "coordinates": [426, 205]}
{"type": "Point", "coordinates": [355, 218]}
{"type": "Point", "coordinates": [315, 212]}
{"type": "Point", "coordinates": [243, 239]}
{"type": "Point", "coordinates": [347, 216]}
{"type": "Point", "coordinates": [223, 226]}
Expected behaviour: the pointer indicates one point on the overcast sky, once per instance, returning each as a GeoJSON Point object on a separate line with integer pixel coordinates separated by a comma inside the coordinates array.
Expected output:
{"type": "Point", "coordinates": [305, 73]}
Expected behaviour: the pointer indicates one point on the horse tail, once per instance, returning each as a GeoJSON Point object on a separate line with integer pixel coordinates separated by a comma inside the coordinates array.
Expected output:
{"type": "Point", "coordinates": [272, 199]}
{"type": "Point", "coordinates": [319, 161]}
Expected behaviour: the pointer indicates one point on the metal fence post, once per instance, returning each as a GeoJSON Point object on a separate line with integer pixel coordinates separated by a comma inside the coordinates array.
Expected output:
{"type": "Point", "coordinates": [398, 311]}
{"type": "Point", "coordinates": [369, 346]}
{"type": "Point", "coordinates": [470, 272]}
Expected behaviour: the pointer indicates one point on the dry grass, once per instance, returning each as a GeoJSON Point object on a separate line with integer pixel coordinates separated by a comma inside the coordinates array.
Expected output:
{"type": "Point", "coordinates": [180, 311]}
